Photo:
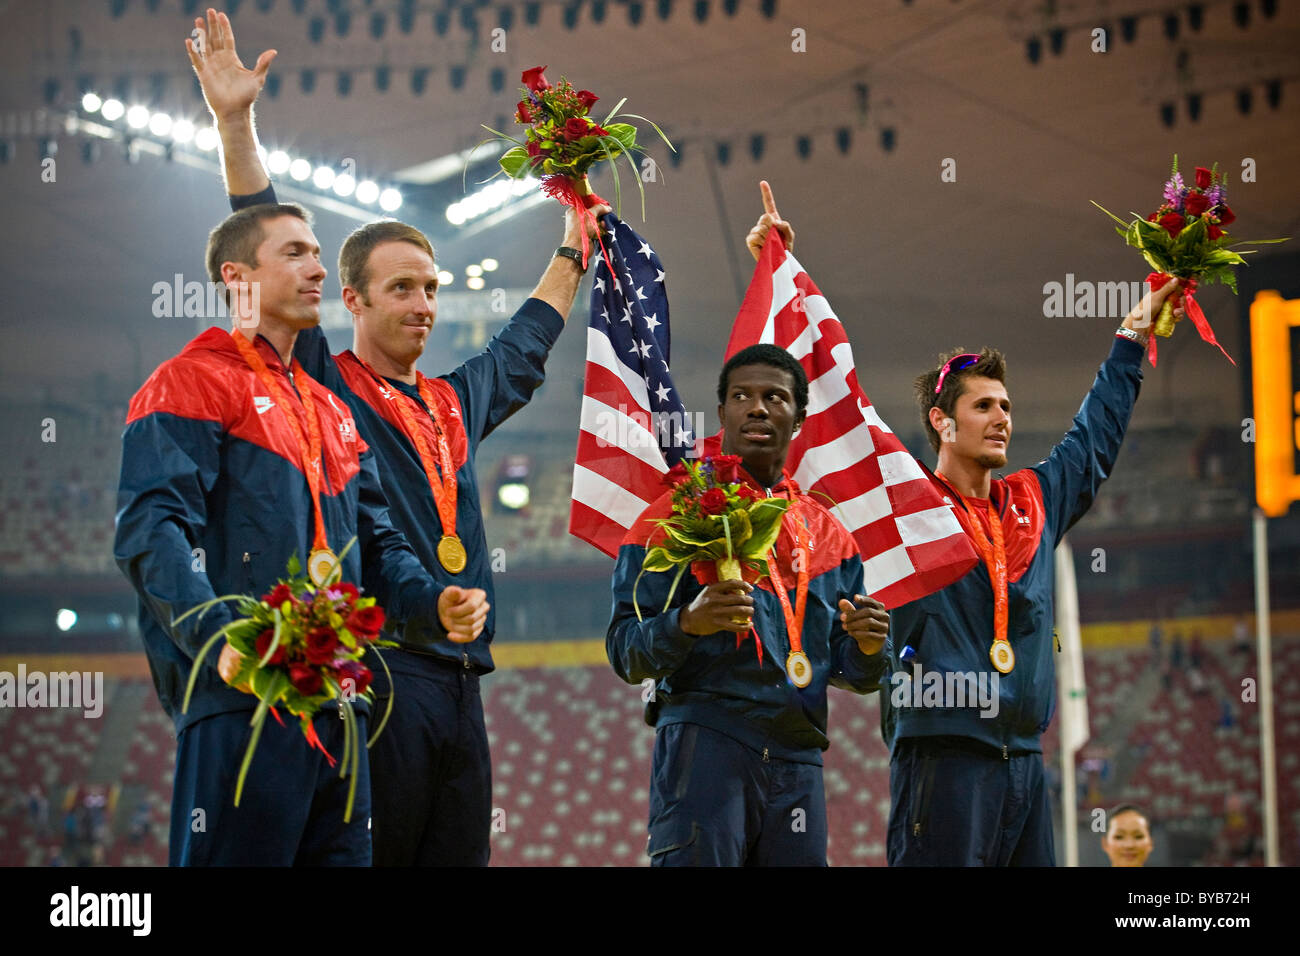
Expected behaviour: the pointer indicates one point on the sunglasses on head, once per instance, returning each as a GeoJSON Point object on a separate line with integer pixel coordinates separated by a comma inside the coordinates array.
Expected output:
{"type": "Point", "coordinates": [955, 364]}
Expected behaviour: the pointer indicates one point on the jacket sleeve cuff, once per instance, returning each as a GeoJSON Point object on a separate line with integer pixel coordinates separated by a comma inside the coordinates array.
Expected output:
{"type": "Point", "coordinates": [264, 198]}
{"type": "Point", "coordinates": [550, 321]}
{"type": "Point", "coordinates": [1126, 351]}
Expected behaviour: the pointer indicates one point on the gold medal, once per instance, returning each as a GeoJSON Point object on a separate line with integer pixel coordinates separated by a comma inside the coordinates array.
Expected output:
{"type": "Point", "coordinates": [323, 567]}
{"type": "Point", "coordinates": [799, 668]}
{"type": "Point", "coordinates": [451, 553]}
{"type": "Point", "coordinates": [1002, 656]}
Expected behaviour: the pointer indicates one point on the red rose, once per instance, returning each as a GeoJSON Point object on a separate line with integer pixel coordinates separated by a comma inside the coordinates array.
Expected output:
{"type": "Point", "coordinates": [746, 493]}
{"type": "Point", "coordinates": [358, 672]}
{"type": "Point", "coordinates": [321, 642]}
{"type": "Point", "coordinates": [264, 641]}
{"type": "Point", "coordinates": [523, 112]}
{"type": "Point", "coordinates": [726, 468]}
{"type": "Point", "coordinates": [1204, 178]}
{"type": "Point", "coordinates": [534, 80]}
{"type": "Point", "coordinates": [713, 501]}
{"type": "Point", "coordinates": [1153, 216]}
{"type": "Point", "coordinates": [587, 99]}
{"type": "Point", "coordinates": [1226, 216]}
{"type": "Point", "coordinates": [306, 679]}
{"type": "Point", "coordinates": [1214, 232]}
{"type": "Point", "coordinates": [1172, 223]}
{"type": "Point", "coordinates": [533, 148]}
{"type": "Point", "coordinates": [365, 621]}
{"type": "Point", "coordinates": [348, 590]}
{"type": "Point", "coordinates": [675, 475]}
{"type": "Point", "coordinates": [1196, 204]}
{"type": "Point", "coordinates": [278, 595]}
{"type": "Point", "coordinates": [576, 127]}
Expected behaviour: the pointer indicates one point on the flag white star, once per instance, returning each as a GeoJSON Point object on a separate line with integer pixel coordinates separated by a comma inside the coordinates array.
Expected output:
{"type": "Point", "coordinates": [645, 349]}
{"type": "Point", "coordinates": [660, 277]}
{"type": "Point", "coordinates": [599, 284]}
{"type": "Point", "coordinates": [641, 296]}
{"type": "Point", "coordinates": [679, 437]}
{"type": "Point", "coordinates": [653, 321]}
{"type": "Point", "coordinates": [645, 249]}
{"type": "Point", "coordinates": [627, 315]}
{"type": "Point", "coordinates": [662, 392]}
{"type": "Point", "coordinates": [633, 350]}
{"type": "Point", "coordinates": [604, 314]}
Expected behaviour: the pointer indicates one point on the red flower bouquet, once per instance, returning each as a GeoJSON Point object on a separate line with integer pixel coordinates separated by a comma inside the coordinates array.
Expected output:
{"type": "Point", "coordinates": [301, 646]}
{"type": "Point", "coordinates": [562, 142]}
{"type": "Point", "coordinates": [715, 517]}
{"type": "Point", "coordinates": [1185, 239]}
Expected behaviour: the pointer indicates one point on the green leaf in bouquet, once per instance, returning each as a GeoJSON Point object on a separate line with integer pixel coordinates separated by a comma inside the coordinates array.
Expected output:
{"type": "Point", "coordinates": [666, 140]}
{"type": "Point", "coordinates": [765, 520]}
{"type": "Point", "coordinates": [726, 530]}
{"type": "Point", "coordinates": [696, 534]}
{"type": "Point", "coordinates": [614, 112]}
{"type": "Point", "coordinates": [625, 133]}
{"type": "Point", "coordinates": [742, 529]}
{"type": "Point", "coordinates": [388, 711]}
{"type": "Point", "coordinates": [198, 661]}
{"type": "Point", "coordinates": [294, 566]}
{"type": "Point", "coordinates": [514, 162]}
{"type": "Point", "coordinates": [279, 681]}
{"type": "Point", "coordinates": [1123, 223]}
{"type": "Point", "coordinates": [760, 565]}
{"type": "Point", "coordinates": [657, 559]}
{"type": "Point", "coordinates": [681, 569]}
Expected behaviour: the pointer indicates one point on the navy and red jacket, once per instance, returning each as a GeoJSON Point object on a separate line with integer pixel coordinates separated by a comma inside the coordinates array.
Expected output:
{"type": "Point", "coordinates": [213, 501]}
{"type": "Point", "coordinates": [473, 400]}
{"type": "Point", "coordinates": [951, 630]}
{"type": "Point", "coordinates": [716, 681]}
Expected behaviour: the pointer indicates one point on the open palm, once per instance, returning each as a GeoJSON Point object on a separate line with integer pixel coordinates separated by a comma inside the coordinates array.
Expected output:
{"type": "Point", "coordinates": [228, 86]}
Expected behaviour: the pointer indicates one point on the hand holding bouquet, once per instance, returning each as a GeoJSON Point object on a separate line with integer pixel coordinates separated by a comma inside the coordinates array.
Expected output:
{"type": "Point", "coordinates": [300, 645]}
{"type": "Point", "coordinates": [1185, 239]}
{"type": "Point", "coordinates": [718, 518]}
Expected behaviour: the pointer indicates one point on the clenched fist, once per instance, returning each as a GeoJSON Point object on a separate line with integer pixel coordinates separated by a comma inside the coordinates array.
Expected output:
{"type": "Point", "coordinates": [721, 606]}
{"type": "Point", "coordinates": [867, 623]}
{"type": "Point", "coordinates": [463, 612]}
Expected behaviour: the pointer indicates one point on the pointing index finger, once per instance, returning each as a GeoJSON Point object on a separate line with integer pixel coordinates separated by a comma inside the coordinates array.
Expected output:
{"type": "Point", "coordinates": [769, 203]}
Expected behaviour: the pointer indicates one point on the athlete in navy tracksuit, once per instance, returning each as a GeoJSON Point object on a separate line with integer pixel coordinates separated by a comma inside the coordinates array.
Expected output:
{"type": "Point", "coordinates": [966, 779]}
{"type": "Point", "coordinates": [213, 501]}
{"type": "Point", "coordinates": [431, 776]}
{"type": "Point", "coordinates": [737, 773]}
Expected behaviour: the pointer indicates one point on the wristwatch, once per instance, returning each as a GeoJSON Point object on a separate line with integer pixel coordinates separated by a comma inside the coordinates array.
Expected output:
{"type": "Point", "coordinates": [571, 253]}
{"type": "Point", "coordinates": [1133, 336]}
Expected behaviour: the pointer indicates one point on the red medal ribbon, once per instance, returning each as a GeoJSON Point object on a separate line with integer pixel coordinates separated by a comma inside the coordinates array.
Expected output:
{"type": "Point", "coordinates": [309, 448]}
{"type": "Point", "coordinates": [995, 560]}
{"type": "Point", "coordinates": [1185, 290]}
{"type": "Point", "coordinates": [443, 488]}
{"type": "Point", "coordinates": [793, 617]}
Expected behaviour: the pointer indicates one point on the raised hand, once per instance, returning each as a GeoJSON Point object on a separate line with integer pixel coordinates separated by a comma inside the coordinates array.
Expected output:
{"type": "Point", "coordinates": [229, 88]}
{"type": "Point", "coordinates": [769, 220]}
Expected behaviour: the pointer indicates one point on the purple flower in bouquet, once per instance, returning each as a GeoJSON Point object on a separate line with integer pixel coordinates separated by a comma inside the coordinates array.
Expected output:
{"type": "Point", "coordinates": [1215, 195]}
{"type": "Point", "coordinates": [1175, 191]}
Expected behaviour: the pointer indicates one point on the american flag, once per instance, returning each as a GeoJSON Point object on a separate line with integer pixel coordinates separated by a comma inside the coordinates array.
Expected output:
{"type": "Point", "coordinates": [633, 427]}
{"type": "Point", "coordinates": [911, 543]}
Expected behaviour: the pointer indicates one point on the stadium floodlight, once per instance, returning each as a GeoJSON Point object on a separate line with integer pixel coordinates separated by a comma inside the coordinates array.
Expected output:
{"type": "Point", "coordinates": [492, 196]}
{"type": "Point", "coordinates": [182, 131]}
{"type": "Point", "coordinates": [445, 278]}
{"type": "Point", "coordinates": [91, 103]}
{"type": "Point", "coordinates": [473, 271]}
{"type": "Point", "coordinates": [65, 619]}
{"type": "Point", "coordinates": [344, 185]}
{"type": "Point", "coordinates": [113, 110]}
{"type": "Point", "coordinates": [160, 124]}
{"type": "Point", "coordinates": [475, 282]}
{"type": "Point", "coordinates": [300, 169]}
{"type": "Point", "coordinates": [390, 200]}
{"type": "Point", "coordinates": [206, 139]}
{"type": "Point", "coordinates": [490, 265]}
{"type": "Point", "coordinates": [367, 191]}
{"type": "Point", "coordinates": [323, 177]}
{"type": "Point", "coordinates": [277, 162]}
{"type": "Point", "coordinates": [137, 117]}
